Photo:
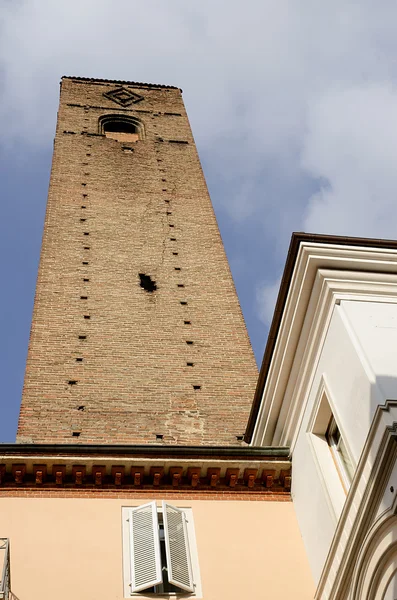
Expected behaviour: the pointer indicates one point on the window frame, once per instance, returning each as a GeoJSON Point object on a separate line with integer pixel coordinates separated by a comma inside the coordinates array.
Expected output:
{"type": "Point", "coordinates": [192, 543]}
{"type": "Point", "coordinates": [329, 466]}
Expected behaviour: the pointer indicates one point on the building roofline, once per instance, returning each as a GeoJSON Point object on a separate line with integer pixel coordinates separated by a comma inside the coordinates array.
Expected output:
{"type": "Point", "coordinates": [122, 82]}
{"type": "Point", "coordinates": [159, 451]}
{"type": "Point", "coordinates": [297, 239]}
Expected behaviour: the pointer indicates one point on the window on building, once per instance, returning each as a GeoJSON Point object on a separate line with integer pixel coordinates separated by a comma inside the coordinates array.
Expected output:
{"type": "Point", "coordinates": [330, 449]}
{"type": "Point", "coordinates": [339, 453]}
{"type": "Point", "coordinates": [160, 554]}
{"type": "Point", "coordinates": [121, 128]}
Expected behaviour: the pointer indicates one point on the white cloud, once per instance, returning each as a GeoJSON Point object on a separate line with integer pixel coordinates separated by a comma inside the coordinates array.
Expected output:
{"type": "Point", "coordinates": [266, 297]}
{"type": "Point", "coordinates": [284, 97]}
{"type": "Point", "coordinates": [352, 142]}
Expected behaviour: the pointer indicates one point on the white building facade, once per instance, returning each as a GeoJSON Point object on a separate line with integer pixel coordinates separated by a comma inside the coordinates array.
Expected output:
{"type": "Point", "coordinates": [328, 390]}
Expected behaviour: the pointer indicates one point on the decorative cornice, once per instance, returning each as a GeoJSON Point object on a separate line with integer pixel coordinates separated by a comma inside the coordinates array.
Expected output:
{"type": "Point", "coordinates": [319, 275]}
{"type": "Point", "coordinates": [201, 469]}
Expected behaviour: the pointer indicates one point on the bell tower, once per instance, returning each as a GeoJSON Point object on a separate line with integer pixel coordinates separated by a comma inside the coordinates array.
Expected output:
{"type": "Point", "coordinates": [137, 334]}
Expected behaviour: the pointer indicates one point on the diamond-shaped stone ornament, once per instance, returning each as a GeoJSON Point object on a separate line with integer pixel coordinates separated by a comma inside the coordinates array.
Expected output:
{"type": "Point", "coordinates": [123, 96]}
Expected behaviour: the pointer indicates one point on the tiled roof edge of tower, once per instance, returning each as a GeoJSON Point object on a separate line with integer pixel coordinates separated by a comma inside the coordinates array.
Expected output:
{"type": "Point", "coordinates": [121, 81]}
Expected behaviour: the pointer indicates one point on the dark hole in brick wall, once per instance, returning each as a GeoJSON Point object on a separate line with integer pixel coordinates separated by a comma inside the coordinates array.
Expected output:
{"type": "Point", "coordinates": [183, 302]}
{"type": "Point", "coordinates": [87, 317]}
{"type": "Point", "coordinates": [83, 184]}
{"type": "Point", "coordinates": [239, 438]}
{"type": "Point", "coordinates": [86, 247]}
{"type": "Point", "coordinates": [189, 342]}
{"type": "Point", "coordinates": [181, 285]}
{"type": "Point", "coordinates": [169, 213]}
{"type": "Point", "coordinates": [85, 195]}
{"type": "Point", "coordinates": [167, 201]}
{"type": "Point", "coordinates": [79, 359]}
{"type": "Point", "coordinates": [85, 279]}
{"type": "Point", "coordinates": [76, 433]}
{"type": "Point", "coordinates": [82, 220]}
{"type": "Point", "coordinates": [84, 262]}
{"type": "Point", "coordinates": [72, 382]}
{"type": "Point", "coordinates": [147, 283]}
{"type": "Point", "coordinates": [172, 225]}
{"type": "Point", "coordinates": [177, 268]}
{"type": "Point", "coordinates": [175, 253]}
{"type": "Point", "coordinates": [189, 364]}
{"type": "Point", "coordinates": [173, 239]}
{"type": "Point", "coordinates": [82, 337]}
{"type": "Point", "coordinates": [187, 322]}
{"type": "Point", "coordinates": [197, 387]}
{"type": "Point", "coordinates": [83, 206]}
{"type": "Point", "coordinates": [83, 297]}
{"type": "Point", "coordinates": [82, 407]}
{"type": "Point", "coordinates": [159, 436]}
{"type": "Point", "coordinates": [86, 233]}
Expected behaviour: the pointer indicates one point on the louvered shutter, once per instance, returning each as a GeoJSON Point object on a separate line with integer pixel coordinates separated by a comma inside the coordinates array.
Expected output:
{"type": "Point", "coordinates": [145, 547]}
{"type": "Point", "coordinates": [177, 548]}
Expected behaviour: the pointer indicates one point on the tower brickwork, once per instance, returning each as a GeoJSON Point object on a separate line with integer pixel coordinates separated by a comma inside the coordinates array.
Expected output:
{"type": "Point", "coordinates": [137, 334]}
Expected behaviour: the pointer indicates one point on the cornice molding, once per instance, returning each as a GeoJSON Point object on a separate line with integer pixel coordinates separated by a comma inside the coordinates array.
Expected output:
{"type": "Point", "coordinates": [78, 470]}
{"type": "Point", "coordinates": [324, 275]}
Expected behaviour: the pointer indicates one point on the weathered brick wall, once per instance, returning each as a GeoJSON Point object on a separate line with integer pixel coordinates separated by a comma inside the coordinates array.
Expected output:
{"type": "Point", "coordinates": [114, 213]}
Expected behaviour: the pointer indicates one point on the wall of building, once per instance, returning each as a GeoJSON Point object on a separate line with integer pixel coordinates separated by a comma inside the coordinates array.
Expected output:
{"type": "Point", "coordinates": [72, 548]}
{"type": "Point", "coordinates": [356, 371]}
{"type": "Point", "coordinates": [109, 361]}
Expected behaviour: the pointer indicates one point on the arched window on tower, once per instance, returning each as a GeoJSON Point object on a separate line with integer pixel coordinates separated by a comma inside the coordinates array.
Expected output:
{"type": "Point", "coordinates": [121, 128]}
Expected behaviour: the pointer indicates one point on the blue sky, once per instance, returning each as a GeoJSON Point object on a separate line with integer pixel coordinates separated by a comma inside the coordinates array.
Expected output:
{"type": "Point", "coordinates": [293, 106]}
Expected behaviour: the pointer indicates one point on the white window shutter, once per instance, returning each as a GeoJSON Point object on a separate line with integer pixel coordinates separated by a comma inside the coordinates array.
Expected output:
{"type": "Point", "coordinates": [177, 548]}
{"type": "Point", "coordinates": [145, 547]}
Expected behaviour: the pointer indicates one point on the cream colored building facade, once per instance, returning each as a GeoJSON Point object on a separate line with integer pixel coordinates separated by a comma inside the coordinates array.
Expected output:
{"type": "Point", "coordinates": [74, 548]}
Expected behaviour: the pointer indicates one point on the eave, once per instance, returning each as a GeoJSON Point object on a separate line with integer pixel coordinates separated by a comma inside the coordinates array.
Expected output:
{"type": "Point", "coordinates": [313, 253]}
{"type": "Point", "coordinates": [142, 469]}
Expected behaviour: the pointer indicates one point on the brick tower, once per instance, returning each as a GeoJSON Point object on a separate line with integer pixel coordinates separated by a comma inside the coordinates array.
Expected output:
{"type": "Point", "coordinates": [137, 334]}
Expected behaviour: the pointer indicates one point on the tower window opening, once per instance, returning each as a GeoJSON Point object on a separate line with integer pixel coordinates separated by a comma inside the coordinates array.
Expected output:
{"type": "Point", "coordinates": [147, 283]}
{"type": "Point", "coordinates": [121, 128]}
